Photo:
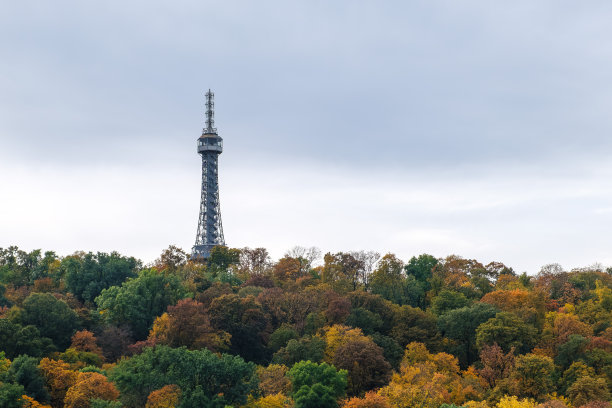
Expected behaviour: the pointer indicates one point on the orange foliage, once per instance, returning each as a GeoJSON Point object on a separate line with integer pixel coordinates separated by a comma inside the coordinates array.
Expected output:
{"type": "Point", "coordinates": [370, 400]}
{"type": "Point", "coordinates": [288, 269]}
{"type": "Point", "coordinates": [529, 306]}
{"type": "Point", "coordinates": [59, 377]}
{"type": "Point", "coordinates": [166, 397]}
{"type": "Point", "coordinates": [85, 340]}
{"type": "Point", "coordinates": [87, 387]}
{"type": "Point", "coordinates": [29, 402]}
{"type": "Point", "coordinates": [44, 285]}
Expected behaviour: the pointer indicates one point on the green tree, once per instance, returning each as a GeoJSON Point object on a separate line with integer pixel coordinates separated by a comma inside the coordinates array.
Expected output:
{"type": "Point", "coordinates": [448, 300]}
{"type": "Point", "coordinates": [205, 379]}
{"type": "Point", "coordinates": [573, 349]}
{"type": "Point", "coordinates": [87, 275]}
{"type": "Point", "coordinates": [507, 330]}
{"type": "Point", "coordinates": [16, 339]}
{"type": "Point", "coordinates": [460, 325]}
{"type": "Point", "coordinates": [392, 351]}
{"type": "Point", "coordinates": [139, 300]}
{"type": "Point", "coordinates": [317, 385]}
{"type": "Point", "coordinates": [420, 267]}
{"type": "Point", "coordinates": [10, 395]}
{"type": "Point", "coordinates": [53, 317]}
{"type": "Point", "coordinates": [367, 321]}
{"type": "Point", "coordinates": [24, 371]}
{"type": "Point", "coordinates": [281, 336]}
{"type": "Point", "coordinates": [306, 348]}
{"type": "Point", "coordinates": [247, 323]}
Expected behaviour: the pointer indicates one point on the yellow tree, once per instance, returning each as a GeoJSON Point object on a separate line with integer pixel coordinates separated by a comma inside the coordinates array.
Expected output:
{"type": "Point", "coordinates": [428, 380]}
{"type": "Point", "coordinates": [59, 378]}
{"type": "Point", "coordinates": [87, 387]}
{"type": "Point", "coordinates": [29, 402]}
{"type": "Point", "coordinates": [166, 397]}
{"type": "Point", "coordinates": [370, 400]}
{"type": "Point", "coordinates": [273, 379]}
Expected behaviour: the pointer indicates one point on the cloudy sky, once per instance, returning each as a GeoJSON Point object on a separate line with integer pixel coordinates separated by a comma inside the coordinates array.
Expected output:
{"type": "Point", "coordinates": [476, 128]}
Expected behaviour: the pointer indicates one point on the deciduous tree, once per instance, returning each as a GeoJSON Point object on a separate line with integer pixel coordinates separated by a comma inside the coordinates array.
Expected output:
{"type": "Point", "coordinates": [87, 387]}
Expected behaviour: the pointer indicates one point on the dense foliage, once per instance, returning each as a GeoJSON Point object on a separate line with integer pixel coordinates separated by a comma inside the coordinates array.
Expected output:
{"type": "Point", "coordinates": [348, 329]}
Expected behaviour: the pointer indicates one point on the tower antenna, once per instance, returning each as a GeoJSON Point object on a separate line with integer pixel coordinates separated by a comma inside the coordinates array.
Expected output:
{"type": "Point", "coordinates": [210, 114]}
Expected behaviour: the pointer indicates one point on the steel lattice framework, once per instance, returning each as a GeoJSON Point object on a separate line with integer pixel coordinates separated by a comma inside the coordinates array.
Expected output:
{"type": "Point", "coordinates": [210, 146]}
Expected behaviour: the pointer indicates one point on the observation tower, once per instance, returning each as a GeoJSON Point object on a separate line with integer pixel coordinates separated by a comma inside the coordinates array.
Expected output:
{"type": "Point", "coordinates": [210, 146]}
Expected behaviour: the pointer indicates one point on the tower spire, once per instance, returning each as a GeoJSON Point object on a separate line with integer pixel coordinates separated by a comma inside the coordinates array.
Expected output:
{"type": "Point", "coordinates": [210, 114]}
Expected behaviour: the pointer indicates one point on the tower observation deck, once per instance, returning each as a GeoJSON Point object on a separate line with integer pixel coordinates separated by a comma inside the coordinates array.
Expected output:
{"type": "Point", "coordinates": [210, 146]}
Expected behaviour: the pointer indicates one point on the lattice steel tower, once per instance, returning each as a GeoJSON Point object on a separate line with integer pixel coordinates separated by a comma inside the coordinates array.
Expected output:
{"type": "Point", "coordinates": [210, 146]}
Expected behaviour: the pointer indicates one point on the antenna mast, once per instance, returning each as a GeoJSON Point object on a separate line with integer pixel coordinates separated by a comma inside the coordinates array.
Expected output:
{"type": "Point", "coordinates": [210, 114]}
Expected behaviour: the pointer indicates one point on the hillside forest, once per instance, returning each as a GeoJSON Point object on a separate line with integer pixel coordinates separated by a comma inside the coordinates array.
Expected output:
{"type": "Point", "coordinates": [346, 329]}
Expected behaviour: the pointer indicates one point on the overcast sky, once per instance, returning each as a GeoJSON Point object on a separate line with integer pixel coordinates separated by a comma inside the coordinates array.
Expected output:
{"type": "Point", "coordinates": [476, 128]}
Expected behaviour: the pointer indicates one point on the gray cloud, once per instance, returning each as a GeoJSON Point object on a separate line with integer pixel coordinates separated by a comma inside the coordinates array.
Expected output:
{"type": "Point", "coordinates": [439, 91]}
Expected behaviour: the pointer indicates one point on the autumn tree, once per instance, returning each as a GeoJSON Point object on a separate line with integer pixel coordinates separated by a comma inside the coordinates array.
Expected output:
{"type": "Point", "coordinates": [273, 379]}
{"type": "Point", "coordinates": [496, 364]}
{"type": "Point", "coordinates": [412, 324]}
{"type": "Point", "coordinates": [365, 364]}
{"type": "Point", "coordinates": [533, 375]}
{"type": "Point", "coordinates": [342, 271]}
{"type": "Point", "coordinates": [114, 342]}
{"type": "Point", "coordinates": [255, 261]}
{"type": "Point", "coordinates": [29, 402]}
{"type": "Point", "coordinates": [171, 259]}
{"type": "Point", "coordinates": [528, 305]}
{"type": "Point", "coordinates": [166, 397]}
{"type": "Point", "coordinates": [188, 324]}
{"type": "Point", "coordinates": [87, 387]}
{"type": "Point", "coordinates": [428, 380]}
{"type": "Point", "coordinates": [86, 341]}
{"type": "Point", "coordinates": [370, 400]}
{"type": "Point", "coordinates": [289, 269]}
{"type": "Point", "coordinates": [59, 378]}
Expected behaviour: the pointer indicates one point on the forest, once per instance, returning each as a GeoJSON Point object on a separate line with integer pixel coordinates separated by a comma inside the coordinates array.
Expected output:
{"type": "Point", "coordinates": [344, 330]}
